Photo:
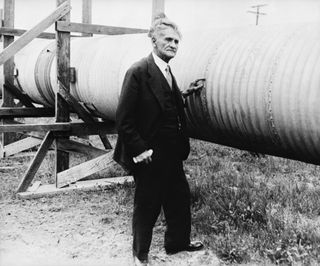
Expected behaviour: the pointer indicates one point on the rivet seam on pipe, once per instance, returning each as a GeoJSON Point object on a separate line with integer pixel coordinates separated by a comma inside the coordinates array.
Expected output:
{"type": "Point", "coordinates": [275, 137]}
{"type": "Point", "coordinates": [203, 95]}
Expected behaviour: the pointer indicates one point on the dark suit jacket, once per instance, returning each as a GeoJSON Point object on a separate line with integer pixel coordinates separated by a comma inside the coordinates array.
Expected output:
{"type": "Point", "coordinates": [140, 112]}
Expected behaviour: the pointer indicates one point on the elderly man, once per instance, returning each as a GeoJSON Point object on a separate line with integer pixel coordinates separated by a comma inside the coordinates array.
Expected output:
{"type": "Point", "coordinates": [152, 144]}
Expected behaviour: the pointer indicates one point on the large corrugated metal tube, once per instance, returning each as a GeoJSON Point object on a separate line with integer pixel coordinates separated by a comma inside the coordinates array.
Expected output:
{"type": "Point", "coordinates": [262, 84]}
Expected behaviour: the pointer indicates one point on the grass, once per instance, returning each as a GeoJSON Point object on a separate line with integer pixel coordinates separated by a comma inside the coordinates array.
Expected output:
{"type": "Point", "coordinates": [248, 209]}
{"type": "Point", "coordinates": [251, 208]}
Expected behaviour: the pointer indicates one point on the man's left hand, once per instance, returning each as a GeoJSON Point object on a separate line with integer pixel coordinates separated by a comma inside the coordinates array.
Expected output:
{"type": "Point", "coordinates": [194, 87]}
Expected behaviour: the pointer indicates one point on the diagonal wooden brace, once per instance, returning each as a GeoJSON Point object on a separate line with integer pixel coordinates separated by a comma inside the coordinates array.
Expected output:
{"type": "Point", "coordinates": [85, 169]}
{"type": "Point", "coordinates": [83, 114]}
{"type": "Point", "coordinates": [37, 160]}
{"type": "Point", "coordinates": [28, 36]}
{"type": "Point", "coordinates": [21, 145]}
{"type": "Point", "coordinates": [20, 95]}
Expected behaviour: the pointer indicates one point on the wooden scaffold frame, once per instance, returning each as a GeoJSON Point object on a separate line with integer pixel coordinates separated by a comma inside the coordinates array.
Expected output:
{"type": "Point", "coordinates": [55, 134]}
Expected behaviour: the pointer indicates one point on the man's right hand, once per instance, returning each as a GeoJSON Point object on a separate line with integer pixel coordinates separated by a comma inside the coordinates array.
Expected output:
{"type": "Point", "coordinates": [144, 157]}
{"type": "Point", "coordinates": [194, 87]}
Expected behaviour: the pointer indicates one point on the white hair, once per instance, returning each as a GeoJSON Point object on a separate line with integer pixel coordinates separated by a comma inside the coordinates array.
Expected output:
{"type": "Point", "coordinates": [161, 22]}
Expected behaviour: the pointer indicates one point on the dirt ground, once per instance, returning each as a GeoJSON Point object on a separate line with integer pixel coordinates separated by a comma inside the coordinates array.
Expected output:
{"type": "Point", "coordinates": [78, 228]}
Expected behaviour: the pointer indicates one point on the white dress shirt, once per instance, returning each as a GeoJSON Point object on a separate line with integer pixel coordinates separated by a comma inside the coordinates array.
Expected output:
{"type": "Point", "coordinates": [162, 65]}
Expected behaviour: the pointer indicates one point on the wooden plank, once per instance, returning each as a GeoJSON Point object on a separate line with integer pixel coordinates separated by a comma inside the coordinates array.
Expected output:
{"type": "Point", "coordinates": [35, 138]}
{"type": "Point", "coordinates": [71, 129]}
{"type": "Point", "coordinates": [27, 155]}
{"type": "Point", "coordinates": [34, 166]}
{"type": "Point", "coordinates": [33, 33]}
{"type": "Point", "coordinates": [20, 95]}
{"type": "Point", "coordinates": [8, 68]}
{"type": "Point", "coordinates": [7, 31]}
{"type": "Point", "coordinates": [63, 77]}
{"type": "Point", "coordinates": [88, 185]}
{"type": "Point", "coordinates": [83, 114]}
{"type": "Point", "coordinates": [157, 7]}
{"type": "Point", "coordinates": [87, 14]}
{"type": "Point", "coordinates": [77, 107]}
{"type": "Point", "coordinates": [18, 32]}
{"type": "Point", "coordinates": [63, 65]}
{"type": "Point", "coordinates": [21, 145]}
{"type": "Point", "coordinates": [84, 169]}
{"type": "Point", "coordinates": [74, 146]}
{"type": "Point", "coordinates": [35, 127]}
{"type": "Point", "coordinates": [26, 112]}
{"type": "Point", "coordinates": [83, 129]}
{"type": "Point", "coordinates": [96, 29]}
{"type": "Point", "coordinates": [8, 71]}
{"type": "Point", "coordinates": [1, 17]}
{"type": "Point", "coordinates": [87, 11]}
{"type": "Point", "coordinates": [62, 113]}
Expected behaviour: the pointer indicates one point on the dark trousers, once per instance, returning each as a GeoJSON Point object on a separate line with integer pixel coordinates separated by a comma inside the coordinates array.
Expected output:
{"type": "Point", "coordinates": [161, 183]}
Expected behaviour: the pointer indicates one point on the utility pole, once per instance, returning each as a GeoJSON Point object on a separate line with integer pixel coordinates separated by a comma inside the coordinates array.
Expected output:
{"type": "Point", "coordinates": [257, 12]}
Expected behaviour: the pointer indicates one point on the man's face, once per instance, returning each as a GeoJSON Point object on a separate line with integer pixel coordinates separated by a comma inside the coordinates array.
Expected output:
{"type": "Point", "coordinates": [166, 44]}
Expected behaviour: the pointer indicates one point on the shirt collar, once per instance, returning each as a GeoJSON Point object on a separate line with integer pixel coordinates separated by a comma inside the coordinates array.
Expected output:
{"type": "Point", "coordinates": [162, 65]}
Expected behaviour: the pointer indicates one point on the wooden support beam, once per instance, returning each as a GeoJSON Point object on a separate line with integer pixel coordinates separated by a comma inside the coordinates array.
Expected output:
{"type": "Point", "coordinates": [20, 95]}
{"type": "Point", "coordinates": [63, 77]}
{"type": "Point", "coordinates": [84, 170]}
{"type": "Point", "coordinates": [66, 128]}
{"type": "Point", "coordinates": [87, 15]}
{"type": "Point", "coordinates": [35, 127]}
{"type": "Point", "coordinates": [13, 112]}
{"type": "Point", "coordinates": [83, 114]}
{"type": "Point", "coordinates": [33, 33]}
{"type": "Point", "coordinates": [35, 138]}
{"type": "Point", "coordinates": [21, 145]}
{"type": "Point", "coordinates": [34, 166]}
{"type": "Point", "coordinates": [157, 7]}
{"type": "Point", "coordinates": [1, 21]}
{"type": "Point", "coordinates": [1, 17]}
{"type": "Point", "coordinates": [8, 71]}
{"type": "Point", "coordinates": [96, 29]}
{"type": "Point", "coordinates": [83, 129]}
{"type": "Point", "coordinates": [76, 106]}
{"type": "Point", "coordinates": [8, 68]}
{"type": "Point", "coordinates": [18, 32]}
{"type": "Point", "coordinates": [68, 145]}
{"type": "Point", "coordinates": [74, 146]}
{"type": "Point", "coordinates": [87, 185]}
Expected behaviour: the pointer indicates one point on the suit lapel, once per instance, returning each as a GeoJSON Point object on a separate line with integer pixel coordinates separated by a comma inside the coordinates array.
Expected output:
{"type": "Point", "coordinates": [155, 80]}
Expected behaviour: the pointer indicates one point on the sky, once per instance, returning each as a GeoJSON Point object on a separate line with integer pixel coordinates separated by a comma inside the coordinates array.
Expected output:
{"type": "Point", "coordinates": [188, 14]}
